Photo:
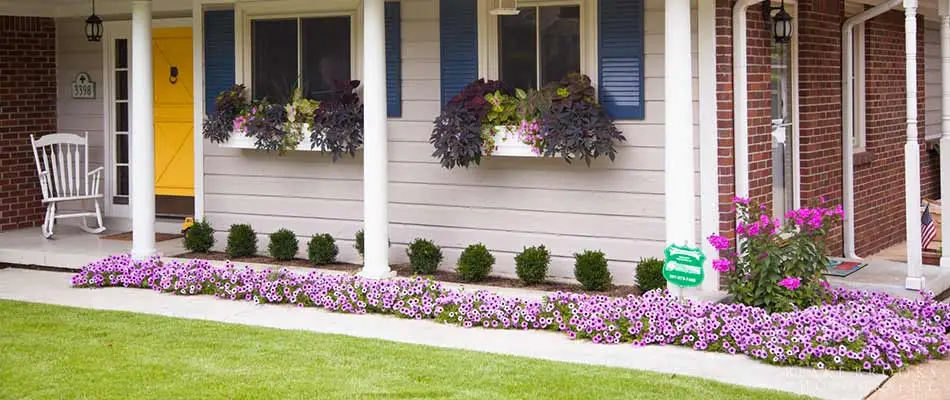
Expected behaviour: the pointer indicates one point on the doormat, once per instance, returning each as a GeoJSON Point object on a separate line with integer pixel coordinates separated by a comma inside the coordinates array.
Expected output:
{"type": "Point", "coordinates": [842, 269]}
{"type": "Point", "coordinates": [127, 236]}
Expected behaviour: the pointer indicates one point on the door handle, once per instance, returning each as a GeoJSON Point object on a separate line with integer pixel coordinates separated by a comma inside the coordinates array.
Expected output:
{"type": "Point", "coordinates": [173, 75]}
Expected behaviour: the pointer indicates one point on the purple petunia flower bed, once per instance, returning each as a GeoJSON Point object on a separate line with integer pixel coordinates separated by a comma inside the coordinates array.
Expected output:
{"type": "Point", "coordinates": [855, 331]}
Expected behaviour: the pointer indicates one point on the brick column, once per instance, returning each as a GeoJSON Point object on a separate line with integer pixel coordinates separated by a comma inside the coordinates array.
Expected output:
{"type": "Point", "coordinates": [27, 106]}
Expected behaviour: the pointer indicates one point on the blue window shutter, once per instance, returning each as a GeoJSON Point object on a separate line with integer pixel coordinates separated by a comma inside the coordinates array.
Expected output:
{"type": "Point", "coordinates": [393, 59]}
{"type": "Point", "coordinates": [621, 58]}
{"type": "Point", "coordinates": [458, 30]}
{"type": "Point", "coordinates": [219, 54]}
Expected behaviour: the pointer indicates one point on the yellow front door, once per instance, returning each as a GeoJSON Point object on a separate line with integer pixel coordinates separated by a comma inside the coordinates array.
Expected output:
{"type": "Point", "coordinates": [174, 121]}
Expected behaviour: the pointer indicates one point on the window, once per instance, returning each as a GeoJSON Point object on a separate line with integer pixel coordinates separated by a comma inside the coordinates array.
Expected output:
{"type": "Point", "coordinates": [541, 44]}
{"type": "Point", "coordinates": [858, 133]}
{"type": "Point", "coordinates": [120, 123]}
{"type": "Point", "coordinates": [314, 53]}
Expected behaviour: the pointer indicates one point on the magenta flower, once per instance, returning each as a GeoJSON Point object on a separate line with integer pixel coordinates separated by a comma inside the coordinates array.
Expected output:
{"type": "Point", "coordinates": [790, 282]}
{"type": "Point", "coordinates": [722, 264]}
{"type": "Point", "coordinates": [718, 242]}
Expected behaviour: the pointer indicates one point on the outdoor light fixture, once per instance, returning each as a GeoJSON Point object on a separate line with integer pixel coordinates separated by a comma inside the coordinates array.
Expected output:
{"type": "Point", "coordinates": [93, 25]}
{"type": "Point", "coordinates": [506, 7]}
{"type": "Point", "coordinates": [781, 22]}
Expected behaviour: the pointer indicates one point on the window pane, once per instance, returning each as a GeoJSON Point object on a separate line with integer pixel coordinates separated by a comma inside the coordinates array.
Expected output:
{"type": "Point", "coordinates": [560, 29]}
{"type": "Point", "coordinates": [122, 180]}
{"type": "Point", "coordinates": [121, 117]}
{"type": "Point", "coordinates": [121, 53]}
{"type": "Point", "coordinates": [122, 85]}
{"type": "Point", "coordinates": [517, 46]}
{"type": "Point", "coordinates": [274, 58]}
{"type": "Point", "coordinates": [122, 149]}
{"type": "Point", "coordinates": [326, 56]}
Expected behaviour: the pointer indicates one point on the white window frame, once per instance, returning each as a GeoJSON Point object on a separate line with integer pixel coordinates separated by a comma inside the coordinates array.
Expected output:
{"type": "Point", "coordinates": [246, 13]}
{"type": "Point", "coordinates": [488, 60]}
{"type": "Point", "coordinates": [859, 104]}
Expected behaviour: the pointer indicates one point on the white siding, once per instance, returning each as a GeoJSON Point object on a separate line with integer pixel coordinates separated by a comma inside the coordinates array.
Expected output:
{"type": "Point", "coordinates": [74, 54]}
{"type": "Point", "coordinates": [932, 86]}
{"type": "Point", "coordinates": [505, 203]}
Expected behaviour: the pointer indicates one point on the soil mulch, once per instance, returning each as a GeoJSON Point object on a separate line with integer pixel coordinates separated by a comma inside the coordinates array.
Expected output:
{"type": "Point", "coordinates": [440, 275]}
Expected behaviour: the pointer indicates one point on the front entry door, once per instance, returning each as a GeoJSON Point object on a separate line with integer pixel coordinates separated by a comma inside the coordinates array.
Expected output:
{"type": "Point", "coordinates": [783, 190]}
{"type": "Point", "coordinates": [174, 121]}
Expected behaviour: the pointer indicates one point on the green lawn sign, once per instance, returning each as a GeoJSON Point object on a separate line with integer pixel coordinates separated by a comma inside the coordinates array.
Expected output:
{"type": "Point", "coordinates": [684, 265]}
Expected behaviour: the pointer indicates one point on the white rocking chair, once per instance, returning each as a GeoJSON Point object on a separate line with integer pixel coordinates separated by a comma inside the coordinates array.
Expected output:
{"type": "Point", "coordinates": [62, 161]}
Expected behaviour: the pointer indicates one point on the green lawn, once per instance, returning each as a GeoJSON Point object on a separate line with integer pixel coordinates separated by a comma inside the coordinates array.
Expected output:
{"type": "Point", "coordinates": [51, 352]}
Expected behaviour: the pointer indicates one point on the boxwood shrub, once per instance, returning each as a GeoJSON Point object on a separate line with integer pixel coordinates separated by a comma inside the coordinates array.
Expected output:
{"type": "Point", "coordinates": [283, 245]}
{"type": "Point", "coordinates": [650, 274]}
{"type": "Point", "coordinates": [531, 264]}
{"type": "Point", "coordinates": [475, 263]}
{"type": "Point", "coordinates": [322, 249]}
{"type": "Point", "coordinates": [590, 269]}
{"type": "Point", "coordinates": [199, 237]}
{"type": "Point", "coordinates": [424, 256]}
{"type": "Point", "coordinates": [242, 241]}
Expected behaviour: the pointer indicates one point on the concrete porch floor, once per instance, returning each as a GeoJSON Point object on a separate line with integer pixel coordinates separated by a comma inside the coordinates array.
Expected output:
{"type": "Point", "coordinates": [886, 271]}
{"type": "Point", "coordinates": [70, 247]}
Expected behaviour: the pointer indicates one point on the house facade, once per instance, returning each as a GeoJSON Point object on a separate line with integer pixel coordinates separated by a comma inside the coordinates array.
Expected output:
{"type": "Point", "coordinates": [824, 115]}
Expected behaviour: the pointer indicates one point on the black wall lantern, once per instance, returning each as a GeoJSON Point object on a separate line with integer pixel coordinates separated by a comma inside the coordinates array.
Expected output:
{"type": "Point", "coordinates": [93, 25]}
{"type": "Point", "coordinates": [781, 22]}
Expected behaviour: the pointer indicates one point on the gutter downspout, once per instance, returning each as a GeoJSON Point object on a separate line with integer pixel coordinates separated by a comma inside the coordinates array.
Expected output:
{"type": "Point", "coordinates": [847, 117]}
{"type": "Point", "coordinates": [740, 90]}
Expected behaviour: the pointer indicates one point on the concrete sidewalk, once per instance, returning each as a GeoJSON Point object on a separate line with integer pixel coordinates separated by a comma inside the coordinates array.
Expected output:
{"type": "Point", "coordinates": [53, 288]}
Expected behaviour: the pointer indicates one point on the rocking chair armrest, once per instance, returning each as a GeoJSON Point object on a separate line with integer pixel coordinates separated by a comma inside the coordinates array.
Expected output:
{"type": "Point", "coordinates": [96, 171]}
{"type": "Point", "coordinates": [93, 187]}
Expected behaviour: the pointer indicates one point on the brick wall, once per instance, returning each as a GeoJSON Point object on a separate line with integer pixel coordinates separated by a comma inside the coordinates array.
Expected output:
{"type": "Point", "coordinates": [759, 105]}
{"type": "Point", "coordinates": [27, 106]}
{"type": "Point", "coordinates": [879, 180]}
{"type": "Point", "coordinates": [819, 74]}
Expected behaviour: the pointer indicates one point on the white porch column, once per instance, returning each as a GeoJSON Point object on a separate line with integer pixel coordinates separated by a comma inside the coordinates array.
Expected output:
{"type": "Point", "coordinates": [945, 119]}
{"type": "Point", "coordinates": [678, 78]}
{"type": "Point", "coordinates": [375, 143]}
{"type": "Point", "coordinates": [915, 279]}
{"type": "Point", "coordinates": [143, 136]}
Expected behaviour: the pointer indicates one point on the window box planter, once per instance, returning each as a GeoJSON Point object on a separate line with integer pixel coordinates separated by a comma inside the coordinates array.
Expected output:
{"type": "Point", "coordinates": [240, 140]}
{"type": "Point", "coordinates": [507, 144]}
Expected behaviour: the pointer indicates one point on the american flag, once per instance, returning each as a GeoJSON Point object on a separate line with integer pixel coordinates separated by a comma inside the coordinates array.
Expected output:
{"type": "Point", "coordinates": [928, 229]}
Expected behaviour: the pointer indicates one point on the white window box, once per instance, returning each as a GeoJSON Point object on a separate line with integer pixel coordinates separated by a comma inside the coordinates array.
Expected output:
{"type": "Point", "coordinates": [507, 144]}
{"type": "Point", "coordinates": [240, 140]}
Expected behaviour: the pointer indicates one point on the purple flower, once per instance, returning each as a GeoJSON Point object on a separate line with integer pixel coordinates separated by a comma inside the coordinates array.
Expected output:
{"type": "Point", "coordinates": [718, 242]}
{"type": "Point", "coordinates": [722, 265]}
{"type": "Point", "coordinates": [790, 282]}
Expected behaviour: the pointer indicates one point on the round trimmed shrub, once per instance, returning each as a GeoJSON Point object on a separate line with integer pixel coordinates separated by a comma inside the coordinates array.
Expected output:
{"type": "Point", "coordinates": [475, 263]}
{"type": "Point", "coordinates": [590, 269]}
{"type": "Point", "coordinates": [650, 274]}
{"type": "Point", "coordinates": [532, 264]}
{"type": "Point", "coordinates": [242, 241]}
{"type": "Point", "coordinates": [358, 242]}
{"type": "Point", "coordinates": [322, 249]}
{"type": "Point", "coordinates": [283, 245]}
{"type": "Point", "coordinates": [199, 238]}
{"type": "Point", "coordinates": [424, 256]}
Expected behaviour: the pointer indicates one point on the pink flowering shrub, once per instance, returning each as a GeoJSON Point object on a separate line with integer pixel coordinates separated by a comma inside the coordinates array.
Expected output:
{"type": "Point", "coordinates": [854, 331]}
{"type": "Point", "coordinates": [777, 266]}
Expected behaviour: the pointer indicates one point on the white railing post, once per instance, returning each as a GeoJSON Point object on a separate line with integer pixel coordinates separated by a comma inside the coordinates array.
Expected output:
{"type": "Point", "coordinates": [915, 278]}
{"type": "Point", "coordinates": [143, 135]}
{"type": "Point", "coordinates": [375, 144]}
{"type": "Point", "coordinates": [680, 171]}
{"type": "Point", "coordinates": [945, 121]}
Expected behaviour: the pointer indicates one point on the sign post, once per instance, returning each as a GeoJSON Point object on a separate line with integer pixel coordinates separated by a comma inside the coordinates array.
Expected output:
{"type": "Point", "coordinates": [683, 266]}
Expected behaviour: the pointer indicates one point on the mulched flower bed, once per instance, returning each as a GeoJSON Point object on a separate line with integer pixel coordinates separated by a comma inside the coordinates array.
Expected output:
{"type": "Point", "coordinates": [855, 331]}
{"type": "Point", "coordinates": [405, 270]}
